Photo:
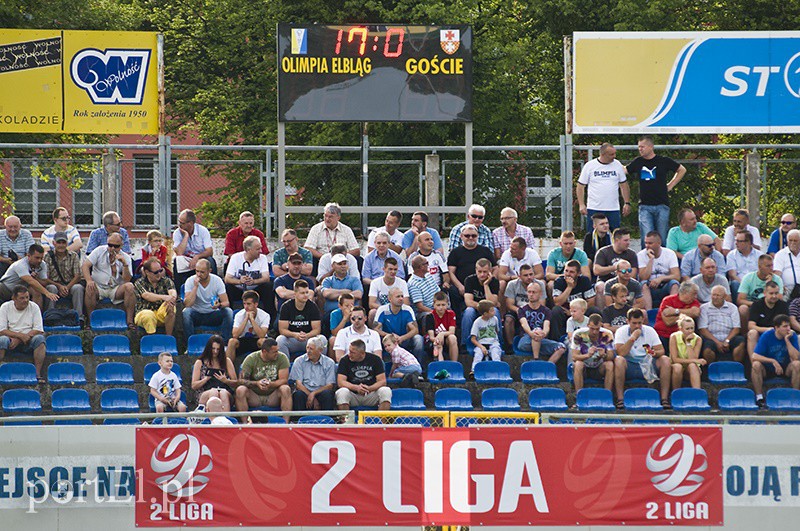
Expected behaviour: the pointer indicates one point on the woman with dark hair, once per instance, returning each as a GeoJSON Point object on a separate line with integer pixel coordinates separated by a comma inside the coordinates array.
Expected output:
{"type": "Point", "coordinates": [213, 374]}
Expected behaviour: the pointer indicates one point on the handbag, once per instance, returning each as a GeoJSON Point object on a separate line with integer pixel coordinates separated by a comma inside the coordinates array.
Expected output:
{"type": "Point", "coordinates": [796, 289]}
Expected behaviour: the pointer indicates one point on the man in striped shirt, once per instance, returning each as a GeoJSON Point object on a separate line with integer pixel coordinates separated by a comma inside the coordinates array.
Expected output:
{"type": "Point", "coordinates": [422, 287]}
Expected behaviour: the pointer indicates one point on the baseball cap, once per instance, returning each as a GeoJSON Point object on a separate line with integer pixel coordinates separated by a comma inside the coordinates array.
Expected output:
{"type": "Point", "coordinates": [60, 236]}
{"type": "Point", "coordinates": [295, 257]}
{"type": "Point", "coordinates": [337, 258]}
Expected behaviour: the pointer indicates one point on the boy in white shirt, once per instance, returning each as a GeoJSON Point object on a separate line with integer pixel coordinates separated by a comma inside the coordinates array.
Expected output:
{"type": "Point", "coordinates": [165, 387]}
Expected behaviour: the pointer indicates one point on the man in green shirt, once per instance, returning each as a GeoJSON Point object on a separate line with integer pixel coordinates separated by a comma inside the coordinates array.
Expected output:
{"type": "Point", "coordinates": [683, 238]}
{"type": "Point", "coordinates": [264, 379]}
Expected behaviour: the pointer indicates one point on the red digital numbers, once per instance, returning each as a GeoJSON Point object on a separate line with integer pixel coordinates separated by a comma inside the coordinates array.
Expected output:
{"type": "Point", "coordinates": [360, 34]}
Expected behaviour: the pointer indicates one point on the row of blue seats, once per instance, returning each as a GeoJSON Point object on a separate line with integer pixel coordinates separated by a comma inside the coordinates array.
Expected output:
{"type": "Point", "coordinates": [120, 345]}
{"type": "Point", "coordinates": [544, 399]}
{"type": "Point", "coordinates": [71, 373]}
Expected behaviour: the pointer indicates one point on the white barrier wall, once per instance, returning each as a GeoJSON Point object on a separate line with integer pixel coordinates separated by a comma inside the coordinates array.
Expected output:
{"type": "Point", "coordinates": [92, 467]}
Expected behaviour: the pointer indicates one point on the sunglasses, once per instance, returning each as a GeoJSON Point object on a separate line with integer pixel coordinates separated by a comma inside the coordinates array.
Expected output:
{"type": "Point", "coordinates": [469, 236]}
{"type": "Point", "coordinates": [158, 272]}
{"type": "Point", "coordinates": [356, 317]}
{"type": "Point", "coordinates": [64, 218]}
{"type": "Point", "coordinates": [625, 271]}
{"type": "Point", "coordinates": [114, 245]}
{"type": "Point", "coordinates": [476, 216]}
{"type": "Point", "coordinates": [707, 245]}
{"type": "Point", "coordinates": [788, 222]}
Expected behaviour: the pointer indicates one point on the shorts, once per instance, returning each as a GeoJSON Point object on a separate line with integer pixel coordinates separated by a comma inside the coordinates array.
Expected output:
{"type": "Point", "coordinates": [727, 356]}
{"type": "Point", "coordinates": [769, 369]}
{"type": "Point", "coordinates": [594, 373]}
{"type": "Point", "coordinates": [272, 399]}
{"type": "Point", "coordinates": [346, 396]}
{"type": "Point", "coordinates": [108, 293]}
{"type": "Point", "coordinates": [151, 319]}
{"type": "Point", "coordinates": [35, 342]}
{"type": "Point", "coordinates": [247, 345]}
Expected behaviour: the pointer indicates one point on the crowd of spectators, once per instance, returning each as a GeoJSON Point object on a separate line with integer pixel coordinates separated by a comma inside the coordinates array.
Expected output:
{"type": "Point", "coordinates": [334, 316]}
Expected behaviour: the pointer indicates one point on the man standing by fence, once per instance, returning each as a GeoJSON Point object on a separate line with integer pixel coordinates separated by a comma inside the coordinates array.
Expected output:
{"type": "Point", "coordinates": [605, 178]}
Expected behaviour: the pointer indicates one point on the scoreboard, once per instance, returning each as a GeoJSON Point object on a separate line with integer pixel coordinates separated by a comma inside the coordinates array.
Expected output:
{"type": "Point", "coordinates": [374, 73]}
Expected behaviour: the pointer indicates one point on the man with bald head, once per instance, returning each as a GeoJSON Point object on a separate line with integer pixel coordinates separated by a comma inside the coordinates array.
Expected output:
{"type": "Point", "coordinates": [693, 260]}
{"type": "Point", "coordinates": [605, 178]}
{"type": "Point", "coordinates": [707, 279]}
{"type": "Point", "coordinates": [719, 326]}
{"type": "Point", "coordinates": [107, 272]}
{"type": "Point", "coordinates": [509, 230]}
{"type": "Point", "coordinates": [683, 238]}
{"type": "Point", "coordinates": [624, 276]}
{"type": "Point", "coordinates": [14, 242]}
{"type": "Point", "coordinates": [777, 239]}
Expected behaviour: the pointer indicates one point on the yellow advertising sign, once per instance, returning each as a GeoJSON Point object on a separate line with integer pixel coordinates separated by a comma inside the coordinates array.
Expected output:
{"type": "Point", "coordinates": [100, 82]}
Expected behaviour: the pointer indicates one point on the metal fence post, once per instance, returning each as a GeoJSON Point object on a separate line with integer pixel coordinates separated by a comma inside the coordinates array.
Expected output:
{"type": "Point", "coordinates": [364, 176]}
{"type": "Point", "coordinates": [753, 162]}
{"type": "Point", "coordinates": [432, 186]}
{"type": "Point", "coordinates": [281, 205]}
{"type": "Point", "coordinates": [565, 156]}
{"type": "Point", "coordinates": [110, 182]}
{"type": "Point", "coordinates": [266, 195]}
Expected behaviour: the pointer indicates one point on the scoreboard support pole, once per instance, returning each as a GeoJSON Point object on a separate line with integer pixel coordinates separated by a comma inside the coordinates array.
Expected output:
{"type": "Point", "coordinates": [364, 175]}
{"type": "Point", "coordinates": [468, 164]}
{"type": "Point", "coordinates": [280, 205]}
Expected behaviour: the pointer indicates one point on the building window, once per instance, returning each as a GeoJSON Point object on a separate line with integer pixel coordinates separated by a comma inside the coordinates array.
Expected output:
{"type": "Point", "coordinates": [145, 176]}
{"type": "Point", "coordinates": [34, 198]}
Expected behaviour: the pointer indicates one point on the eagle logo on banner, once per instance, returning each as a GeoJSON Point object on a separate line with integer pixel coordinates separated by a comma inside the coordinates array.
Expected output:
{"type": "Point", "coordinates": [450, 40]}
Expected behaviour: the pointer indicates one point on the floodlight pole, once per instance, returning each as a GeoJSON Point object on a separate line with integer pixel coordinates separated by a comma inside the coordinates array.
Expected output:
{"type": "Point", "coordinates": [468, 164]}
{"type": "Point", "coordinates": [280, 204]}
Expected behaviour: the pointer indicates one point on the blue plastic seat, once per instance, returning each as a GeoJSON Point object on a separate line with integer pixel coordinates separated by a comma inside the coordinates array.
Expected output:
{"type": "Point", "coordinates": [500, 399]}
{"type": "Point", "coordinates": [151, 368]}
{"type": "Point", "coordinates": [387, 368]}
{"type": "Point", "coordinates": [642, 399]}
{"type": "Point", "coordinates": [114, 373]}
{"type": "Point", "coordinates": [650, 421]}
{"type": "Point", "coordinates": [22, 401]}
{"type": "Point", "coordinates": [586, 381]}
{"type": "Point", "coordinates": [594, 399]}
{"type": "Point", "coordinates": [726, 373]}
{"type": "Point", "coordinates": [492, 372]}
{"type": "Point", "coordinates": [516, 350]}
{"type": "Point", "coordinates": [454, 369]}
{"type": "Point", "coordinates": [538, 372]}
{"type": "Point", "coordinates": [408, 400]}
{"type": "Point", "coordinates": [18, 373]}
{"type": "Point", "coordinates": [783, 399]}
{"type": "Point", "coordinates": [453, 399]}
{"type": "Point", "coordinates": [155, 344]}
{"type": "Point", "coordinates": [690, 399]}
{"type": "Point", "coordinates": [651, 316]}
{"type": "Point", "coordinates": [121, 422]}
{"type": "Point", "coordinates": [119, 400]}
{"type": "Point", "coordinates": [66, 373]}
{"type": "Point", "coordinates": [71, 401]}
{"type": "Point", "coordinates": [547, 399]}
{"type": "Point", "coordinates": [316, 419]}
{"type": "Point", "coordinates": [111, 345]}
{"type": "Point", "coordinates": [737, 399]}
{"type": "Point", "coordinates": [276, 420]}
{"type": "Point", "coordinates": [197, 343]}
{"type": "Point", "coordinates": [108, 320]}
{"type": "Point", "coordinates": [63, 345]}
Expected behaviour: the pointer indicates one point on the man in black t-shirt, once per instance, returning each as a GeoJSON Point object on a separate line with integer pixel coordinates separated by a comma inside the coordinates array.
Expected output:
{"type": "Point", "coordinates": [598, 238]}
{"type": "Point", "coordinates": [299, 320]}
{"type": "Point", "coordinates": [605, 261]}
{"type": "Point", "coordinates": [566, 288]}
{"type": "Point", "coordinates": [461, 264]}
{"type": "Point", "coordinates": [654, 189]}
{"type": "Point", "coordinates": [483, 285]}
{"type": "Point", "coordinates": [616, 314]}
{"type": "Point", "coordinates": [762, 313]}
{"type": "Point", "coordinates": [361, 378]}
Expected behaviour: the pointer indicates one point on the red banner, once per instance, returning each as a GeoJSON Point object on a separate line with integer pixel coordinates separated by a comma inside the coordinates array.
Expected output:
{"type": "Point", "coordinates": [415, 476]}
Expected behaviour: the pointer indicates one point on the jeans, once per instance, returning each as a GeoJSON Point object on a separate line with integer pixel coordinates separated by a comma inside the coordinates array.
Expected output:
{"type": "Point", "coordinates": [614, 219]}
{"type": "Point", "coordinates": [325, 399]}
{"type": "Point", "coordinates": [654, 217]}
{"type": "Point", "coordinates": [548, 346]}
{"type": "Point", "coordinates": [416, 346]}
{"type": "Point", "coordinates": [659, 293]}
{"type": "Point", "coordinates": [223, 318]}
{"type": "Point", "coordinates": [734, 290]}
{"type": "Point", "coordinates": [470, 314]}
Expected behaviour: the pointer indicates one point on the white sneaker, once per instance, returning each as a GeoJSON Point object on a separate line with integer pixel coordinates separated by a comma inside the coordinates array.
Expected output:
{"type": "Point", "coordinates": [197, 420]}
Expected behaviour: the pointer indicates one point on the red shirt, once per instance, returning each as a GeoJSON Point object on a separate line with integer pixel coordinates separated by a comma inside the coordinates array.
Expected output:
{"type": "Point", "coordinates": [161, 254]}
{"type": "Point", "coordinates": [443, 324]}
{"type": "Point", "coordinates": [672, 301]}
{"type": "Point", "coordinates": [234, 241]}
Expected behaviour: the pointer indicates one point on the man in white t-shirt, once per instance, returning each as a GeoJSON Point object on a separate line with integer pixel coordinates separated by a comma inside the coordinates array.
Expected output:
{"type": "Point", "coordinates": [659, 272]}
{"type": "Point", "coordinates": [205, 303]}
{"type": "Point", "coordinates": [379, 288]}
{"type": "Point", "coordinates": [250, 327]}
{"type": "Point", "coordinates": [393, 220]}
{"type": "Point", "coordinates": [249, 270]}
{"type": "Point", "coordinates": [517, 255]}
{"type": "Point", "coordinates": [605, 178]}
{"type": "Point", "coordinates": [437, 264]}
{"type": "Point", "coordinates": [357, 330]}
{"type": "Point", "coordinates": [21, 328]}
{"type": "Point", "coordinates": [741, 221]}
{"type": "Point", "coordinates": [640, 354]}
{"type": "Point", "coordinates": [191, 243]}
{"type": "Point", "coordinates": [108, 272]}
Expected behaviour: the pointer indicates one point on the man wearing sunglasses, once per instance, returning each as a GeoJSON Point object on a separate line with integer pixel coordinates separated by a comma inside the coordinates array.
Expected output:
{"type": "Point", "coordinates": [155, 298]}
{"type": "Point", "coordinates": [606, 259]}
{"type": "Point", "coordinates": [61, 224]}
{"type": "Point", "coordinates": [107, 272]}
{"type": "Point", "coordinates": [357, 330]}
{"type": "Point", "coordinates": [112, 224]}
{"type": "Point", "coordinates": [693, 260]}
{"type": "Point", "coordinates": [475, 217]}
{"type": "Point", "coordinates": [624, 276]}
{"type": "Point", "coordinates": [777, 239]}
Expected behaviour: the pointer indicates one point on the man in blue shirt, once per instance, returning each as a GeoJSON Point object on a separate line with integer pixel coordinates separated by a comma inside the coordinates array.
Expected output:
{"type": "Point", "coordinates": [338, 283]}
{"type": "Point", "coordinates": [419, 224]}
{"type": "Point", "coordinates": [776, 354]}
{"type": "Point", "coordinates": [111, 224]}
{"type": "Point", "coordinates": [398, 318]}
{"type": "Point", "coordinates": [374, 261]}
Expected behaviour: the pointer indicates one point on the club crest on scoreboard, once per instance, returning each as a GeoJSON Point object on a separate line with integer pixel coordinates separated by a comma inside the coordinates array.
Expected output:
{"type": "Point", "coordinates": [450, 40]}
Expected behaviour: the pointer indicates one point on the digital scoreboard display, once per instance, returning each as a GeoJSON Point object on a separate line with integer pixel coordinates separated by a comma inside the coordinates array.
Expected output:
{"type": "Point", "coordinates": [374, 73]}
